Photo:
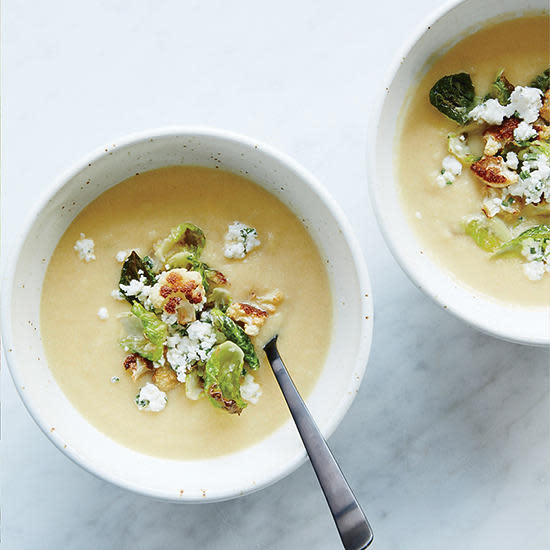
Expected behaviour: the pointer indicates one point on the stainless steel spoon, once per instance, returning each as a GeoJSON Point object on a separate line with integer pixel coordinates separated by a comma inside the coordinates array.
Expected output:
{"type": "Point", "coordinates": [354, 529]}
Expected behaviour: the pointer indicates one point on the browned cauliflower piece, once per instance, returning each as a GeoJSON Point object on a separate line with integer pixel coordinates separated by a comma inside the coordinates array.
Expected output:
{"type": "Point", "coordinates": [251, 317]}
{"type": "Point", "coordinates": [270, 301]}
{"type": "Point", "coordinates": [496, 137]}
{"type": "Point", "coordinates": [137, 365]}
{"type": "Point", "coordinates": [542, 128]}
{"type": "Point", "coordinates": [165, 378]}
{"type": "Point", "coordinates": [176, 292]}
{"type": "Point", "coordinates": [545, 109]}
{"type": "Point", "coordinates": [492, 171]}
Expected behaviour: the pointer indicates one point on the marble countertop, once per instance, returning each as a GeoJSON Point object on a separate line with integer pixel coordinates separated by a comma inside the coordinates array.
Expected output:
{"type": "Point", "coordinates": [447, 445]}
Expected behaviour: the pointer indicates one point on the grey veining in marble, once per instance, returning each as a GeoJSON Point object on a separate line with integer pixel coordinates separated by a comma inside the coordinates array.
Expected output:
{"type": "Point", "coordinates": [448, 442]}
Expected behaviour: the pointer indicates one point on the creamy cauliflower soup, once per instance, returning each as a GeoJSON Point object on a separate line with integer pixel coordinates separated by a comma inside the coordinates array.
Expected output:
{"type": "Point", "coordinates": [159, 298]}
{"type": "Point", "coordinates": [473, 160]}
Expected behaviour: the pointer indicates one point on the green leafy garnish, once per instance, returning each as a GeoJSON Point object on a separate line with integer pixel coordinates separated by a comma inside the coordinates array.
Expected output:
{"type": "Point", "coordinates": [454, 96]}
{"type": "Point", "coordinates": [150, 342]}
{"type": "Point", "coordinates": [542, 81]}
{"type": "Point", "coordinates": [186, 238]}
{"type": "Point", "coordinates": [534, 149]}
{"type": "Point", "coordinates": [222, 377]}
{"type": "Point", "coordinates": [539, 233]}
{"type": "Point", "coordinates": [482, 235]}
{"type": "Point", "coordinates": [134, 268]}
{"type": "Point", "coordinates": [235, 334]}
{"type": "Point", "coordinates": [220, 299]}
{"type": "Point", "coordinates": [501, 89]}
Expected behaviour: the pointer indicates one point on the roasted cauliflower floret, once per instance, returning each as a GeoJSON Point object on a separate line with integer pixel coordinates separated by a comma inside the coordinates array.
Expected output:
{"type": "Point", "coordinates": [542, 128]}
{"type": "Point", "coordinates": [176, 292]}
{"type": "Point", "coordinates": [492, 171]}
{"type": "Point", "coordinates": [252, 317]}
{"type": "Point", "coordinates": [545, 109]}
{"type": "Point", "coordinates": [270, 301]}
{"type": "Point", "coordinates": [496, 137]}
{"type": "Point", "coordinates": [137, 366]}
{"type": "Point", "coordinates": [165, 378]}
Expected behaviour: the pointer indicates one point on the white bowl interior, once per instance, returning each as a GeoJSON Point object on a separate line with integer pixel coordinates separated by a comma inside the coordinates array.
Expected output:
{"type": "Point", "coordinates": [511, 322]}
{"type": "Point", "coordinates": [217, 478]}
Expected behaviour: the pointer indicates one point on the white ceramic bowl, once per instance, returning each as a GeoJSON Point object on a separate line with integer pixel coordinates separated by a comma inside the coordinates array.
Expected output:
{"type": "Point", "coordinates": [195, 480]}
{"type": "Point", "coordinates": [442, 30]}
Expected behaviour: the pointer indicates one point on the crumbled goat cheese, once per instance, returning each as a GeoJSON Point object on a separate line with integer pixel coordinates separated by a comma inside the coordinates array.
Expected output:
{"type": "Point", "coordinates": [524, 101]}
{"type": "Point", "coordinates": [492, 206]}
{"type": "Point", "coordinates": [150, 398]}
{"type": "Point", "coordinates": [240, 240]}
{"type": "Point", "coordinates": [418, 215]}
{"type": "Point", "coordinates": [524, 131]}
{"type": "Point", "coordinates": [85, 248]}
{"type": "Point", "coordinates": [535, 270]}
{"type": "Point", "coordinates": [250, 390]}
{"type": "Point", "coordinates": [121, 255]}
{"type": "Point", "coordinates": [184, 351]}
{"type": "Point", "coordinates": [140, 289]}
{"type": "Point", "coordinates": [451, 167]}
{"type": "Point", "coordinates": [534, 180]}
{"type": "Point", "coordinates": [490, 111]}
{"type": "Point", "coordinates": [537, 254]}
{"type": "Point", "coordinates": [512, 160]}
{"type": "Point", "coordinates": [115, 379]}
{"type": "Point", "coordinates": [102, 313]}
{"type": "Point", "coordinates": [169, 318]}
{"type": "Point", "coordinates": [117, 295]}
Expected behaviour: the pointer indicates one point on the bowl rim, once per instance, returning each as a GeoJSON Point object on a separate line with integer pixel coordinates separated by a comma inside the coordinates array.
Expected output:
{"type": "Point", "coordinates": [359, 262]}
{"type": "Point", "coordinates": [374, 123]}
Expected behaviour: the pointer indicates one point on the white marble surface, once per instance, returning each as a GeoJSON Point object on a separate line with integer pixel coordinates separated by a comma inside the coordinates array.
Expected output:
{"type": "Point", "coordinates": [448, 442]}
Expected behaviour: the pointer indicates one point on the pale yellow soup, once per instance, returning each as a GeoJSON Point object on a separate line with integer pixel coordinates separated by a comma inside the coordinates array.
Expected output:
{"type": "Point", "coordinates": [83, 351]}
{"type": "Point", "coordinates": [522, 48]}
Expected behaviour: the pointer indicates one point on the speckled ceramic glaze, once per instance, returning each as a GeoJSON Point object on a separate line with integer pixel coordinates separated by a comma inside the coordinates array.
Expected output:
{"type": "Point", "coordinates": [198, 480]}
{"type": "Point", "coordinates": [528, 325]}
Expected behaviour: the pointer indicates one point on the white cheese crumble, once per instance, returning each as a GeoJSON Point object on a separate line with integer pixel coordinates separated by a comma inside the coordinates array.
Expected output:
{"type": "Point", "coordinates": [490, 111]}
{"type": "Point", "coordinates": [183, 351]}
{"type": "Point", "coordinates": [240, 239]}
{"type": "Point", "coordinates": [524, 101]}
{"type": "Point", "coordinates": [492, 206]}
{"type": "Point", "coordinates": [85, 248]}
{"type": "Point", "coordinates": [150, 398]}
{"type": "Point", "coordinates": [512, 160]}
{"type": "Point", "coordinates": [140, 289]}
{"type": "Point", "coordinates": [534, 180]}
{"type": "Point", "coordinates": [535, 270]}
{"type": "Point", "coordinates": [102, 313]}
{"type": "Point", "coordinates": [169, 318]}
{"type": "Point", "coordinates": [537, 255]}
{"type": "Point", "coordinates": [250, 389]}
{"type": "Point", "coordinates": [116, 294]}
{"type": "Point", "coordinates": [524, 132]}
{"type": "Point", "coordinates": [121, 255]}
{"type": "Point", "coordinates": [115, 379]}
{"type": "Point", "coordinates": [451, 167]}
{"type": "Point", "coordinates": [418, 215]}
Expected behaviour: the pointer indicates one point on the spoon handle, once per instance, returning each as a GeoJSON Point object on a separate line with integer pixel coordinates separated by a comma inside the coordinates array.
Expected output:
{"type": "Point", "coordinates": [354, 529]}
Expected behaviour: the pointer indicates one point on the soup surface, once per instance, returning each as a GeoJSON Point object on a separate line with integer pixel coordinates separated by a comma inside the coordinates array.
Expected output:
{"type": "Point", "coordinates": [521, 48]}
{"type": "Point", "coordinates": [83, 351]}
